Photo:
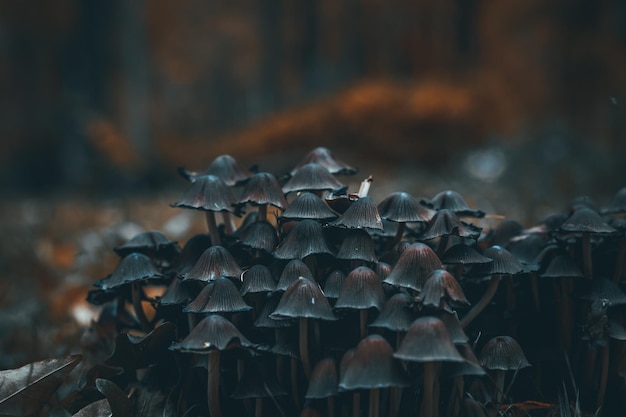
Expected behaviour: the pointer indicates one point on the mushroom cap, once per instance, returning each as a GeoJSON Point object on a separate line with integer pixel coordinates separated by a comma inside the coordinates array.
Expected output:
{"type": "Point", "coordinates": [132, 268]}
{"type": "Point", "coordinates": [357, 245]}
{"type": "Point", "coordinates": [361, 290]}
{"type": "Point", "coordinates": [306, 238]}
{"type": "Point", "coordinates": [324, 157]}
{"type": "Point", "coordinates": [259, 235]}
{"type": "Point", "coordinates": [218, 296]}
{"type": "Point", "coordinates": [263, 189]}
{"type": "Point", "coordinates": [457, 334]}
{"type": "Point", "coordinates": [151, 243]}
{"type": "Point", "coordinates": [303, 299]}
{"type": "Point", "coordinates": [528, 250]}
{"type": "Point", "coordinates": [373, 366]}
{"type": "Point", "coordinates": [263, 317]}
{"type": "Point", "coordinates": [403, 207]}
{"type": "Point", "coordinates": [441, 289]}
{"type": "Point", "coordinates": [617, 205]}
{"type": "Point", "coordinates": [292, 271]}
{"type": "Point", "coordinates": [503, 262]}
{"type": "Point", "coordinates": [585, 220]}
{"type": "Point", "coordinates": [212, 332]}
{"type": "Point", "coordinates": [333, 283]}
{"type": "Point", "coordinates": [208, 193]}
{"type": "Point", "coordinates": [503, 353]}
{"type": "Point", "coordinates": [191, 252]}
{"type": "Point", "coordinates": [177, 294]}
{"type": "Point", "coordinates": [428, 340]}
{"type": "Point", "coordinates": [311, 177]}
{"type": "Point", "coordinates": [471, 365]}
{"type": "Point", "coordinates": [453, 201]}
{"type": "Point", "coordinates": [362, 214]}
{"type": "Point", "coordinates": [562, 266]}
{"type": "Point", "coordinates": [396, 314]}
{"type": "Point", "coordinates": [224, 167]}
{"type": "Point", "coordinates": [257, 279]}
{"type": "Point", "coordinates": [324, 380]}
{"type": "Point", "coordinates": [215, 262]}
{"type": "Point", "coordinates": [605, 289]}
{"type": "Point", "coordinates": [463, 254]}
{"type": "Point", "coordinates": [308, 206]}
{"type": "Point", "coordinates": [412, 268]}
{"type": "Point", "coordinates": [445, 223]}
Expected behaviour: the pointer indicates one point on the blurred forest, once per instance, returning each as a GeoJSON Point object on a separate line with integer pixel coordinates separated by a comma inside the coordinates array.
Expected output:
{"type": "Point", "coordinates": [113, 95]}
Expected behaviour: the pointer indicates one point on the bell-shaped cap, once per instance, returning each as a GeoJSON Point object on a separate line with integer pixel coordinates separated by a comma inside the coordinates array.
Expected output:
{"type": "Point", "coordinates": [257, 279]}
{"type": "Point", "coordinates": [224, 167]}
{"type": "Point", "coordinates": [324, 157]}
{"type": "Point", "coordinates": [259, 235]}
{"type": "Point", "coordinates": [306, 238]}
{"type": "Point", "coordinates": [441, 289]}
{"type": "Point", "coordinates": [562, 266]}
{"type": "Point", "coordinates": [193, 249]}
{"type": "Point", "coordinates": [308, 206]}
{"type": "Point", "coordinates": [333, 283]}
{"type": "Point", "coordinates": [357, 245]}
{"type": "Point", "coordinates": [383, 270]}
{"type": "Point", "coordinates": [451, 320]}
{"type": "Point", "coordinates": [585, 220]}
{"type": "Point", "coordinates": [311, 177]}
{"type": "Point", "coordinates": [428, 340]}
{"type": "Point", "coordinates": [218, 296]}
{"type": "Point", "coordinates": [134, 267]}
{"type": "Point", "coordinates": [401, 207]}
{"type": "Point", "coordinates": [470, 367]}
{"type": "Point", "coordinates": [208, 193]}
{"type": "Point", "coordinates": [415, 263]}
{"type": "Point", "coordinates": [257, 382]}
{"type": "Point", "coordinates": [446, 223]}
{"type": "Point", "coordinates": [303, 299]}
{"type": "Point", "coordinates": [373, 366]}
{"type": "Point", "coordinates": [453, 201]}
{"type": "Point", "coordinates": [214, 263]}
{"type": "Point", "coordinates": [263, 189]}
{"type": "Point", "coordinates": [151, 243]}
{"type": "Point", "coordinates": [503, 353]}
{"type": "Point", "coordinates": [324, 380]}
{"type": "Point", "coordinates": [362, 214]}
{"type": "Point", "coordinates": [464, 255]}
{"type": "Point", "coordinates": [605, 289]}
{"type": "Point", "coordinates": [504, 263]}
{"type": "Point", "coordinates": [263, 317]}
{"type": "Point", "coordinates": [617, 205]}
{"type": "Point", "coordinates": [361, 290]}
{"type": "Point", "coordinates": [177, 294]}
{"type": "Point", "coordinates": [212, 332]}
{"type": "Point", "coordinates": [528, 250]}
{"type": "Point", "coordinates": [292, 271]}
{"type": "Point", "coordinates": [396, 314]}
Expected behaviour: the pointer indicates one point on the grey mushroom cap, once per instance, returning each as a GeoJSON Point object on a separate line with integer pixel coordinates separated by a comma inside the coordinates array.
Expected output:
{"type": "Point", "coordinates": [402, 207]}
{"type": "Point", "coordinates": [308, 205]}
{"type": "Point", "coordinates": [416, 262]}
{"type": "Point", "coordinates": [215, 262]}
{"type": "Point", "coordinates": [208, 193]}
{"type": "Point", "coordinates": [428, 340]}
{"type": "Point", "coordinates": [312, 177]}
{"type": "Point", "coordinates": [503, 353]}
{"type": "Point", "coordinates": [263, 189]}
{"type": "Point", "coordinates": [324, 379]}
{"type": "Point", "coordinates": [306, 238]}
{"type": "Point", "coordinates": [224, 167]}
{"type": "Point", "coordinates": [132, 268]}
{"type": "Point", "coordinates": [218, 296]}
{"type": "Point", "coordinates": [303, 299]}
{"type": "Point", "coordinates": [324, 157]}
{"type": "Point", "coordinates": [362, 214]}
{"type": "Point", "coordinates": [396, 314]}
{"type": "Point", "coordinates": [586, 220]}
{"type": "Point", "coordinates": [357, 245]}
{"type": "Point", "coordinates": [361, 290]}
{"type": "Point", "coordinates": [446, 223]}
{"type": "Point", "coordinates": [212, 332]}
{"type": "Point", "coordinates": [440, 286]}
{"type": "Point", "coordinates": [453, 201]}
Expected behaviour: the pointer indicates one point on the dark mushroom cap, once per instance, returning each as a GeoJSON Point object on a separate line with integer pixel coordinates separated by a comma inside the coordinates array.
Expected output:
{"type": "Point", "coordinates": [208, 193]}
{"type": "Point", "coordinates": [373, 366]}
{"type": "Point", "coordinates": [306, 238]}
{"type": "Point", "coordinates": [503, 353]}
{"type": "Point", "coordinates": [463, 254]}
{"type": "Point", "coordinates": [257, 279]}
{"type": "Point", "coordinates": [264, 319]}
{"type": "Point", "coordinates": [132, 268]}
{"type": "Point", "coordinates": [396, 314]}
{"type": "Point", "coordinates": [177, 294]}
{"type": "Point", "coordinates": [617, 205]}
{"type": "Point", "coordinates": [191, 252]}
{"type": "Point", "coordinates": [333, 283]}
{"type": "Point", "coordinates": [562, 266]}
{"type": "Point", "coordinates": [453, 201]}
{"type": "Point", "coordinates": [445, 223]}
{"type": "Point", "coordinates": [303, 299]}
{"type": "Point", "coordinates": [361, 290]}
{"type": "Point", "coordinates": [214, 263]}
{"type": "Point", "coordinates": [263, 189]}
{"type": "Point", "coordinates": [528, 250]}
{"type": "Point", "coordinates": [224, 167]}
{"type": "Point", "coordinates": [428, 340]}
{"type": "Point", "coordinates": [470, 366]}
{"type": "Point", "coordinates": [357, 245]}
{"type": "Point", "coordinates": [451, 320]}
{"type": "Point", "coordinates": [324, 379]}
{"type": "Point", "coordinates": [212, 332]}
{"type": "Point", "coordinates": [311, 177]}
{"type": "Point", "coordinates": [362, 214]}
{"type": "Point", "coordinates": [503, 262]}
{"type": "Point", "coordinates": [308, 206]}
{"type": "Point", "coordinates": [383, 270]}
{"type": "Point", "coordinates": [292, 271]}
{"type": "Point", "coordinates": [151, 243]}
{"type": "Point", "coordinates": [415, 263]}
{"type": "Point", "coordinates": [324, 157]}
{"type": "Point", "coordinates": [441, 287]}
{"type": "Point", "coordinates": [403, 207]}
{"type": "Point", "coordinates": [259, 235]}
{"type": "Point", "coordinates": [218, 296]}
{"type": "Point", "coordinates": [585, 220]}
{"type": "Point", "coordinates": [257, 382]}
{"type": "Point", "coordinates": [605, 289]}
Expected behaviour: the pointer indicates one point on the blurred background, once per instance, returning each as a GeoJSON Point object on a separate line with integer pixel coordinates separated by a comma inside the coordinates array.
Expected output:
{"type": "Point", "coordinates": [518, 105]}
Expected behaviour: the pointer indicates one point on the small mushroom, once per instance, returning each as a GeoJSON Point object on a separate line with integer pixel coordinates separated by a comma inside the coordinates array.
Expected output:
{"type": "Point", "coordinates": [324, 157]}
{"type": "Point", "coordinates": [402, 208]}
{"type": "Point", "coordinates": [499, 355]}
{"type": "Point", "coordinates": [453, 201]}
{"type": "Point", "coordinates": [262, 190]}
{"type": "Point", "coordinates": [362, 214]}
{"type": "Point", "coordinates": [416, 262]}
{"type": "Point", "coordinates": [308, 205]}
{"type": "Point", "coordinates": [324, 383]}
{"type": "Point", "coordinates": [311, 177]}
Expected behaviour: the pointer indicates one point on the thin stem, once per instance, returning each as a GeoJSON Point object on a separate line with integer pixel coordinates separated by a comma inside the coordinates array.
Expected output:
{"type": "Point", "coordinates": [356, 404]}
{"type": "Point", "coordinates": [427, 409]}
{"type": "Point", "coordinates": [330, 404]}
{"type": "Point", "coordinates": [304, 347]}
{"type": "Point", "coordinates": [258, 407]}
{"type": "Point", "coordinates": [483, 302]}
{"type": "Point", "coordinates": [363, 323]}
{"type": "Point", "coordinates": [141, 315]}
{"type": "Point", "coordinates": [262, 209]}
{"type": "Point", "coordinates": [619, 261]}
{"type": "Point", "coordinates": [295, 396]}
{"type": "Point", "coordinates": [374, 402]}
{"type": "Point", "coordinates": [212, 225]}
{"type": "Point", "coordinates": [398, 237]}
{"type": "Point", "coordinates": [443, 244]}
{"type": "Point", "coordinates": [213, 389]}
{"type": "Point", "coordinates": [603, 376]}
{"type": "Point", "coordinates": [499, 381]}
{"type": "Point", "coordinates": [229, 224]}
{"type": "Point", "coordinates": [587, 267]}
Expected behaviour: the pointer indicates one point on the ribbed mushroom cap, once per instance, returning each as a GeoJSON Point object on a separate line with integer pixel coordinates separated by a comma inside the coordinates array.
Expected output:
{"type": "Point", "coordinates": [463, 254]}
{"type": "Point", "coordinates": [212, 332]}
{"type": "Point", "coordinates": [441, 289]}
{"type": "Point", "coordinates": [415, 263]}
{"type": "Point", "coordinates": [383, 270]}
{"type": "Point", "coordinates": [218, 296]}
{"type": "Point", "coordinates": [224, 167]}
{"type": "Point", "coordinates": [303, 298]}
{"type": "Point", "coordinates": [403, 207]}
{"type": "Point", "coordinates": [457, 334]}
{"type": "Point", "coordinates": [470, 366]}
{"type": "Point", "coordinates": [306, 238]}
{"type": "Point", "coordinates": [257, 279]}
{"type": "Point", "coordinates": [208, 193]}
{"type": "Point", "coordinates": [503, 262]}
{"type": "Point", "coordinates": [345, 360]}
{"type": "Point", "coordinates": [308, 206]}
{"type": "Point", "coordinates": [151, 243]}
{"type": "Point", "coordinates": [503, 353]}
{"type": "Point", "coordinates": [602, 288]}
{"type": "Point", "coordinates": [617, 204]}
{"type": "Point", "coordinates": [311, 177]}
{"type": "Point", "coordinates": [396, 314]}
{"type": "Point", "coordinates": [528, 250]}
{"type": "Point", "coordinates": [292, 271]}
{"type": "Point", "coordinates": [333, 283]}
{"type": "Point", "coordinates": [586, 220]}
{"type": "Point", "coordinates": [263, 189]}
{"type": "Point", "coordinates": [373, 366]}
{"type": "Point", "coordinates": [214, 263]}
{"type": "Point", "coordinates": [134, 267]}
{"type": "Point", "coordinates": [324, 380]}
{"type": "Point", "coordinates": [191, 252]}
{"type": "Point", "coordinates": [362, 214]}
{"type": "Point", "coordinates": [257, 382]}
{"type": "Point", "coordinates": [259, 235]}
{"type": "Point", "coordinates": [562, 266]}
{"type": "Point", "coordinates": [453, 201]}
{"type": "Point", "coordinates": [445, 223]}
{"type": "Point", "coordinates": [263, 317]}
{"type": "Point", "coordinates": [357, 245]}
{"type": "Point", "coordinates": [428, 340]}
{"type": "Point", "coordinates": [361, 290]}
{"type": "Point", "coordinates": [323, 156]}
{"type": "Point", "coordinates": [177, 294]}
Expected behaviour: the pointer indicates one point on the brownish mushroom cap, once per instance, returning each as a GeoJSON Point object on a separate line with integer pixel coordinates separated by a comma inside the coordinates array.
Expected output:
{"type": "Point", "coordinates": [357, 245]}
{"type": "Point", "coordinates": [324, 379]}
{"type": "Point", "coordinates": [445, 223]}
{"type": "Point", "coordinates": [132, 268]}
{"type": "Point", "coordinates": [263, 189]}
{"type": "Point", "coordinates": [259, 235]}
{"type": "Point", "coordinates": [303, 298]}
{"type": "Point", "coordinates": [215, 262]}
{"type": "Point", "coordinates": [324, 157]}
{"type": "Point", "coordinates": [362, 214]}
{"type": "Point", "coordinates": [311, 177]}
{"type": "Point", "coordinates": [361, 290]}
{"type": "Point", "coordinates": [257, 279]}
{"type": "Point", "coordinates": [453, 201]}
{"type": "Point", "coordinates": [503, 353]}
{"type": "Point", "coordinates": [290, 274]}
{"type": "Point", "coordinates": [333, 283]}
{"type": "Point", "coordinates": [428, 340]}
{"type": "Point", "coordinates": [440, 290]}
{"type": "Point", "coordinates": [415, 263]}
{"type": "Point", "coordinates": [208, 193]}
{"type": "Point", "coordinates": [396, 314]}
{"type": "Point", "coordinates": [401, 207]}
{"type": "Point", "coordinates": [306, 238]}
{"type": "Point", "coordinates": [224, 167]}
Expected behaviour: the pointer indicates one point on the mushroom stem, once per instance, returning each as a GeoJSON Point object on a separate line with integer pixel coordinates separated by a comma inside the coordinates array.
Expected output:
{"type": "Point", "coordinates": [456, 396]}
{"type": "Point", "coordinates": [191, 321]}
{"type": "Point", "coordinates": [458, 271]}
{"type": "Point", "coordinates": [534, 287]}
{"type": "Point", "coordinates": [398, 237]}
{"type": "Point", "coordinates": [427, 409]}
{"type": "Point", "coordinates": [483, 302]}
{"type": "Point", "coordinates": [262, 210]}
{"type": "Point", "coordinates": [213, 389]}
{"type": "Point", "coordinates": [258, 407]}
{"type": "Point", "coordinates": [443, 244]}
{"type": "Point", "coordinates": [499, 382]}
{"type": "Point", "coordinates": [356, 404]}
{"type": "Point", "coordinates": [141, 315]}
{"type": "Point", "coordinates": [295, 396]}
{"type": "Point", "coordinates": [330, 405]}
{"type": "Point", "coordinates": [374, 402]}
{"type": "Point", "coordinates": [212, 225]}
{"type": "Point", "coordinates": [603, 377]}
{"type": "Point", "coordinates": [587, 266]}
{"type": "Point", "coordinates": [363, 323]}
{"type": "Point", "coordinates": [566, 316]}
{"type": "Point", "coordinates": [304, 347]}
{"type": "Point", "coordinates": [229, 224]}
{"type": "Point", "coordinates": [619, 261]}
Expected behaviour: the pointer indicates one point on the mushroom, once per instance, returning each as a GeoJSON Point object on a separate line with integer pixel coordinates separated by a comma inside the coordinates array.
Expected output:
{"type": "Point", "coordinates": [324, 157]}
{"type": "Point", "coordinates": [441, 290]}
{"type": "Point", "coordinates": [292, 271]}
{"type": "Point", "coordinates": [333, 284]}
{"type": "Point", "coordinates": [311, 177]}
{"type": "Point", "coordinates": [461, 255]}
{"type": "Point", "coordinates": [152, 243]}
{"type": "Point", "coordinates": [224, 167]}
{"type": "Point", "coordinates": [308, 205]}
{"type": "Point", "coordinates": [218, 296]}
{"type": "Point", "coordinates": [357, 246]}
{"type": "Point", "coordinates": [402, 208]}
{"type": "Point", "coordinates": [262, 190]}
{"type": "Point", "coordinates": [453, 201]}
{"type": "Point", "coordinates": [324, 383]}
{"type": "Point", "coordinates": [445, 223]}
{"type": "Point", "coordinates": [416, 262]}
{"type": "Point", "coordinates": [362, 214]}
{"type": "Point", "coordinates": [215, 262]}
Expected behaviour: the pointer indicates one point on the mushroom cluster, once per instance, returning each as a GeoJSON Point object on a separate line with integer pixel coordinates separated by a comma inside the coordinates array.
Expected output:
{"type": "Point", "coordinates": [322, 302]}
